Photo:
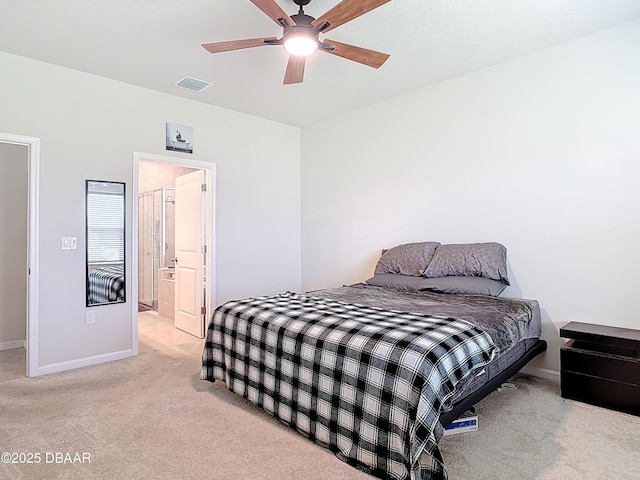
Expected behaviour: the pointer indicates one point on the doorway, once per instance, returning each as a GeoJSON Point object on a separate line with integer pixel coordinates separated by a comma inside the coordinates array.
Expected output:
{"type": "Point", "coordinates": [156, 225]}
{"type": "Point", "coordinates": [19, 318]}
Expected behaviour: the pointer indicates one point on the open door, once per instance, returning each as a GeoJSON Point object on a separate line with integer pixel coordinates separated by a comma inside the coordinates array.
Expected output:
{"type": "Point", "coordinates": [190, 253]}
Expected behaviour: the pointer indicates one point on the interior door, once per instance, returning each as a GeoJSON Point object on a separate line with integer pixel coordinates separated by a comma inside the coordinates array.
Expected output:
{"type": "Point", "coordinates": [190, 248]}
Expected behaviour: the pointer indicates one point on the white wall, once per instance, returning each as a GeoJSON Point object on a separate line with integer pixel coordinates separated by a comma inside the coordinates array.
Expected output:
{"type": "Point", "coordinates": [89, 128]}
{"type": "Point", "coordinates": [541, 153]}
{"type": "Point", "coordinates": [13, 244]}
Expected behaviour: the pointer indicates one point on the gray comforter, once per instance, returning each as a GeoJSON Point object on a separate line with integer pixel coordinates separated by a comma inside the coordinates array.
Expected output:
{"type": "Point", "coordinates": [506, 320]}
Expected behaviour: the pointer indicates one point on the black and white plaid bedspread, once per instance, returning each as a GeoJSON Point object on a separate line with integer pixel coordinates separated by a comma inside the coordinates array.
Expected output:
{"type": "Point", "coordinates": [106, 284]}
{"type": "Point", "coordinates": [364, 382]}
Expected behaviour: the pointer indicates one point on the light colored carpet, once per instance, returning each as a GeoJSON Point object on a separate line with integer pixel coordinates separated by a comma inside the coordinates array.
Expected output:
{"type": "Point", "coordinates": [13, 364]}
{"type": "Point", "coordinates": [150, 417]}
{"type": "Point", "coordinates": [531, 433]}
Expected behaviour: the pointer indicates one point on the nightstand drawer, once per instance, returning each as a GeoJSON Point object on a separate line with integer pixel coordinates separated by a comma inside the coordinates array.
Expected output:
{"type": "Point", "coordinates": [598, 391]}
{"type": "Point", "coordinates": [600, 364]}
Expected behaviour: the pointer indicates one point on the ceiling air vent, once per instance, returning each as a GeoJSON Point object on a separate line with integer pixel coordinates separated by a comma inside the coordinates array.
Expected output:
{"type": "Point", "coordinates": [192, 84]}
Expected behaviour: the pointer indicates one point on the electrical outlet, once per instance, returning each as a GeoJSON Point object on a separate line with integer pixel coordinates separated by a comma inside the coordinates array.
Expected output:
{"type": "Point", "coordinates": [90, 318]}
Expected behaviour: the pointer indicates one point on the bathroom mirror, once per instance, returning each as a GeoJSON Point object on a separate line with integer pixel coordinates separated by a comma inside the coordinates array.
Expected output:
{"type": "Point", "coordinates": [105, 236]}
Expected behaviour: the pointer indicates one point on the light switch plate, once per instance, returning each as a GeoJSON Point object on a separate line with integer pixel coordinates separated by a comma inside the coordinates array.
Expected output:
{"type": "Point", "coordinates": [68, 243]}
{"type": "Point", "coordinates": [90, 318]}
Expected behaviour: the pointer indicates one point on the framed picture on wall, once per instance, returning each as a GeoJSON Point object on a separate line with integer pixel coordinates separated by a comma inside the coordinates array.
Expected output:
{"type": "Point", "coordinates": [179, 138]}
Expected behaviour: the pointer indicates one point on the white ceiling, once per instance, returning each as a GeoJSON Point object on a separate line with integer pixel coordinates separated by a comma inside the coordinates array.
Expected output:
{"type": "Point", "coordinates": [154, 43]}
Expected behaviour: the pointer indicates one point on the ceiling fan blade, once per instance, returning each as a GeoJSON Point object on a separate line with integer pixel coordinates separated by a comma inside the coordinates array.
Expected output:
{"type": "Point", "coordinates": [295, 70]}
{"type": "Point", "coordinates": [367, 57]}
{"type": "Point", "coordinates": [347, 10]}
{"type": "Point", "coordinates": [273, 11]}
{"type": "Point", "coordinates": [235, 44]}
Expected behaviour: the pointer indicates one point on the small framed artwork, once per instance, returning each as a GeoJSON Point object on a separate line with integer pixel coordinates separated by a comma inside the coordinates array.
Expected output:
{"type": "Point", "coordinates": [179, 138]}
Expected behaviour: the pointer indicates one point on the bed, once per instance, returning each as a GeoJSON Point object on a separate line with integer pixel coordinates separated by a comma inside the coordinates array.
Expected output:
{"type": "Point", "coordinates": [374, 371]}
{"type": "Point", "coordinates": [106, 285]}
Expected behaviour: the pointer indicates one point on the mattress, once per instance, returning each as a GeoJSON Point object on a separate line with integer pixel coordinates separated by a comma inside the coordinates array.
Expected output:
{"type": "Point", "coordinates": [500, 362]}
{"type": "Point", "coordinates": [506, 320]}
{"type": "Point", "coordinates": [106, 285]}
{"type": "Point", "coordinates": [515, 325]}
{"type": "Point", "coordinates": [245, 339]}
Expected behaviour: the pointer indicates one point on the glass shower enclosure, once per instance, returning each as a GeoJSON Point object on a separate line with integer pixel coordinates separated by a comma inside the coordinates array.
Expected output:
{"type": "Point", "coordinates": [156, 242]}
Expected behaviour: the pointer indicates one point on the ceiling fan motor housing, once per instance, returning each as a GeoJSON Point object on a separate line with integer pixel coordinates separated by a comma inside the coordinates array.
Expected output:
{"type": "Point", "coordinates": [301, 20]}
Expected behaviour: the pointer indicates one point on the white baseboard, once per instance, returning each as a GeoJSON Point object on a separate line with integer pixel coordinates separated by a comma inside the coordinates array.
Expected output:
{"type": "Point", "coordinates": [11, 345]}
{"type": "Point", "coordinates": [546, 373]}
{"type": "Point", "coordinates": [82, 362]}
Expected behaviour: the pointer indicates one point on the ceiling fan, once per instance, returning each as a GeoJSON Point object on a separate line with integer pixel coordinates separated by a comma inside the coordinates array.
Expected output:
{"type": "Point", "coordinates": [300, 35]}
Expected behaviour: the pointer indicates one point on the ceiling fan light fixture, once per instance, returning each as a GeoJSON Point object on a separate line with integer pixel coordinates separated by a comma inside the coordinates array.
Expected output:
{"type": "Point", "coordinates": [300, 45]}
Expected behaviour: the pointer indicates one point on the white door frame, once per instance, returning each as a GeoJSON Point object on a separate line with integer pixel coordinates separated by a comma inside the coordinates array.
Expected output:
{"type": "Point", "coordinates": [210, 177]}
{"type": "Point", "coordinates": [33, 263]}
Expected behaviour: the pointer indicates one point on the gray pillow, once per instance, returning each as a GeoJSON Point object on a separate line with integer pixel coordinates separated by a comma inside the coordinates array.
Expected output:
{"type": "Point", "coordinates": [406, 259]}
{"type": "Point", "coordinates": [487, 260]}
{"type": "Point", "coordinates": [467, 285]}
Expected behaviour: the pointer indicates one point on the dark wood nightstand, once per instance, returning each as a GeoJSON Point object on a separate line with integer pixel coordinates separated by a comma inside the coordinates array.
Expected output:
{"type": "Point", "coordinates": [601, 366]}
